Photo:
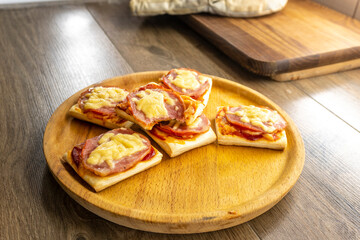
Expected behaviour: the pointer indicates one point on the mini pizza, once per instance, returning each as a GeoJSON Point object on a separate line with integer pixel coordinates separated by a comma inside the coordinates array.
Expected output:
{"type": "Point", "coordinates": [188, 82]}
{"type": "Point", "coordinates": [111, 157]}
{"type": "Point", "coordinates": [176, 138]}
{"type": "Point", "coordinates": [151, 104]}
{"type": "Point", "coordinates": [97, 105]}
{"type": "Point", "coordinates": [250, 126]}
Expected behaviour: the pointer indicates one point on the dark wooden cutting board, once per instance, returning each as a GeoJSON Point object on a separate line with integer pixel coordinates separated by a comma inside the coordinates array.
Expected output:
{"type": "Point", "coordinates": [303, 40]}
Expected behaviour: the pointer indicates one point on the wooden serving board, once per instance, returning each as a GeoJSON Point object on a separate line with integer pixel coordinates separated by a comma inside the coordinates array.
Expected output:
{"type": "Point", "coordinates": [206, 189]}
{"type": "Point", "coordinates": [303, 40]}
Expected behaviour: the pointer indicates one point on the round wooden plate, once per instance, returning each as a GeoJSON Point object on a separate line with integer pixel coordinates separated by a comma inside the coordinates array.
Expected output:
{"type": "Point", "coordinates": [206, 189]}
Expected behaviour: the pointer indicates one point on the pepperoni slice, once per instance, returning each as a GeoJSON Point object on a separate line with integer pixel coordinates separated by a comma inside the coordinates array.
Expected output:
{"type": "Point", "coordinates": [175, 106]}
{"type": "Point", "coordinates": [236, 120]}
{"type": "Point", "coordinates": [120, 165]}
{"type": "Point", "coordinates": [102, 111]}
{"type": "Point", "coordinates": [200, 125]}
{"type": "Point", "coordinates": [150, 155]}
{"type": "Point", "coordinates": [76, 153]}
{"type": "Point", "coordinates": [196, 93]}
{"type": "Point", "coordinates": [226, 128]}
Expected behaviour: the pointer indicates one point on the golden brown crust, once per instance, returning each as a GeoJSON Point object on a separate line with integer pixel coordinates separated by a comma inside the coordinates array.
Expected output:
{"type": "Point", "coordinates": [76, 112]}
{"type": "Point", "coordinates": [174, 147]}
{"type": "Point", "coordinates": [99, 183]}
{"type": "Point", "coordinates": [278, 144]}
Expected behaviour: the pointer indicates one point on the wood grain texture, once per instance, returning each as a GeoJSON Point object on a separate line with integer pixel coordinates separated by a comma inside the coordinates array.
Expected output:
{"type": "Point", "coordinates": [333, 192]}
{"type": "Point", "coordinates": [346, 7]}
{"type": "Point", "coordinates": [303, 36]}
{"type": "Point", "coordinates": [357, 11]}
{"type": "Point", "coordinates": [163, 42]}
{"type": "Point", "coordinates": [339, 93]}
{"type": "Point", "coordinates": [318, 71]}
{"type": "Point", "coordinates": [216, 186]}
{"type": "Point", "coordinates": [41, 67]}
{"type": "Point", "coordinates": [46, 54]}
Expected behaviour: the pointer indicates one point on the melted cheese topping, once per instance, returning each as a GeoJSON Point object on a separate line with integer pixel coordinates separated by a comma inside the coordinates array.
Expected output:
{"type": "Point", "coordinates": [174, 124]}
{"type": "Point", "coordinates": [185, 79]}
{"type": "Point", "coordinates": [203, 79]}
{"type": "Point", "coordinates": [257, 117]}
{"type": "Point", "coordinates": [104, 97]}
{"type": "Point", "coordinates": [152, 103]}
{"type": "Point", "coordinates": [196, 123]}
{"type": "Point", "coordinates": [113, 147]}
{"type": "Point", "coordinates": [168, 99]}
{"type": "Point", "coordinates": [269, 137]}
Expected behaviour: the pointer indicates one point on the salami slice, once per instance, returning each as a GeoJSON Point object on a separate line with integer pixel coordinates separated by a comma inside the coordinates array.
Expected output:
{"type": "Point", "coordinates": [102, 168]}
{"type": "Point", "coordinates": [186, 82]}
{"type": "Point", "coordinates": [226, 128]}
{"type": "Point", "coordinates": [200, 125]}
{"type": "Point", "coordinates": [152, 103]}
{"type": "Point", "coordinates": [150, 155]}
{"type": "Point", "coordinates": [101, 100]}
{"type": "Point", "coordinates": [76, 153]}
{"type": "Point", "coordinates": [257, 119]}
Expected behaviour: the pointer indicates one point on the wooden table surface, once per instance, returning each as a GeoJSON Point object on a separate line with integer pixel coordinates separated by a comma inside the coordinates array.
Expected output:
{"type": "Point", "coordinates": [50, 52]}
